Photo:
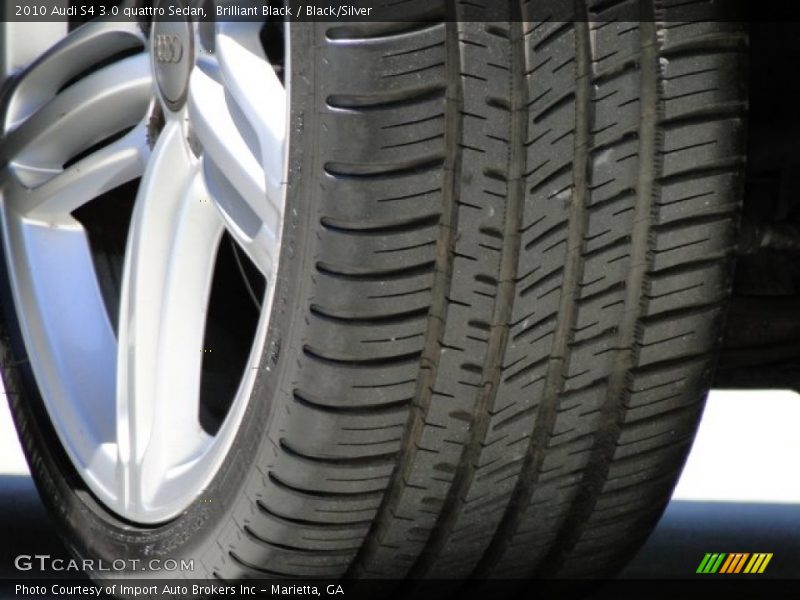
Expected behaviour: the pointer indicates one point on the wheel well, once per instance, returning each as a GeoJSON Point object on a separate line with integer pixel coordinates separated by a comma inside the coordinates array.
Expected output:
{"type": "Point", "coordinates": [761, 346]}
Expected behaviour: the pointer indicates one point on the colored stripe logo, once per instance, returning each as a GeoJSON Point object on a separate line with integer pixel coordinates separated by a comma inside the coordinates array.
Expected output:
{"type": "Point", "coordinates": [734, 563]}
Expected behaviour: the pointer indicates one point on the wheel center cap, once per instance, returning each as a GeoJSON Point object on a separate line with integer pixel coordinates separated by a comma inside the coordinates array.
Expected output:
{"type": "Point", "coordinates": [172, 54]}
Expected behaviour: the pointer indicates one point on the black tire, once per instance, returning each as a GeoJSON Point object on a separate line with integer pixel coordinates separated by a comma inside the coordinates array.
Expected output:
{"type": "Point", "coordinates": [500, 298]}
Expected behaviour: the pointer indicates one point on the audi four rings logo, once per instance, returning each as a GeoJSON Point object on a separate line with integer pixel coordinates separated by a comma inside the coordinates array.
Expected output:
{"type": "Point", "coordinates": [169, 49]}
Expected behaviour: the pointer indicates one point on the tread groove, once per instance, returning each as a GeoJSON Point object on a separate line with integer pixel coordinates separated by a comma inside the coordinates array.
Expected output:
{"type": "Point", "coordinates": [490, 372]}
{"type": "Point", "coordinates": [554, 377]}
{"type": "Point", "coordinates": [443, 267]}
{"type": "Point", "coordinates": [625, 355]}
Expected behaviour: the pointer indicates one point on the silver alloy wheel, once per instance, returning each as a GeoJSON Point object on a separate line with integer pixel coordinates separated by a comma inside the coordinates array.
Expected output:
{"type": "Point", "coordinates": [79, 123]}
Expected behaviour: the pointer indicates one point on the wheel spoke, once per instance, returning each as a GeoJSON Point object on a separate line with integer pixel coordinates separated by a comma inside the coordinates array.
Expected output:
{"type": "Point", "coordinates": [100, 172]}
{"type": "Point", "coordinates": [83, 363]}
{"type": "Point", "coordinates": [23, 42]}
{"type": "Point", "coordinates": [244, 170]}
{"type": "Point", "coordinates": [256, 239]}
{"type": "Point", "coordinates": [224, 144]}
{"type": "Point", "coordinates": [89, 45]}
{"type": "Point", "coordinates": [258, 93]}
{"type": "Point", "coordinates": [166, 284]}
{"type": "Point", "coordinates": [95, 108]}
